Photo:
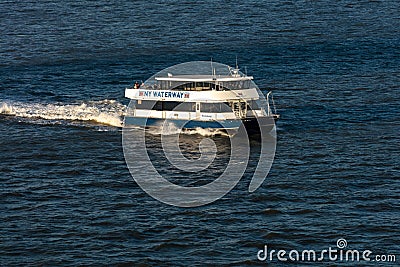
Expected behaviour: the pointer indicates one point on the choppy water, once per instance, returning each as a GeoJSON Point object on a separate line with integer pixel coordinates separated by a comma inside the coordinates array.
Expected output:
{"type": "Point", "coordinates": [67, 197]}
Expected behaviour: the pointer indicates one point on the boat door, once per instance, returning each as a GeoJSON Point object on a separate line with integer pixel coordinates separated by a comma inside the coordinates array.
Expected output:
{"type": "Point", "coordinates": [197, 110]}
{"type": "Point", "coordinates": [239, 108]}
{"type": "Point", "coordinates": [163, 112]}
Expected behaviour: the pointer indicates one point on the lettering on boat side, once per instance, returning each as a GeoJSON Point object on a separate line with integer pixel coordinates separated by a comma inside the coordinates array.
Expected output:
{"type": "Point", "coordinates": [163, 94]}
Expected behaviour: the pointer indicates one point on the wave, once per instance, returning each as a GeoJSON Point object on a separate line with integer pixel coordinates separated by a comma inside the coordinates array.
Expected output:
{"type": "Point", "coordinates": [172, 129]}
{"type": "Point", "coordinates": [108, 112]}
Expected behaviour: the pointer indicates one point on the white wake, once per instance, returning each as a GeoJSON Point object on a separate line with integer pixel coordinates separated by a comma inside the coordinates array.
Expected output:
{"type": "Point", "coordinates": [170, 129]}
{"type": "Point", "coordinates": [108, 112]}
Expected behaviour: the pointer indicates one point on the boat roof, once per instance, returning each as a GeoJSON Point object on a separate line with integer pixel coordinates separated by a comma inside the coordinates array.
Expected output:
{"type": "Point", "coordinates": [204, 78]}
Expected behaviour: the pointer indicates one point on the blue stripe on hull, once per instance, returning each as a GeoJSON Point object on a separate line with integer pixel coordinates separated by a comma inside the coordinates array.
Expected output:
{"type": "Point", "coordinates": [148, 122]}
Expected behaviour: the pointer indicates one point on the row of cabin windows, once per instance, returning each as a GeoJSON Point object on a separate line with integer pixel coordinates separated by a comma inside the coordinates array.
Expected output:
{"type": "Point", "coordinates": [202, 86]}
{"type": "Point", "coordinates": [191, 106]}
{"type": "Point", "coordinates": [199, 86]}
{"type": "Point", "coordinates": [166, 105]}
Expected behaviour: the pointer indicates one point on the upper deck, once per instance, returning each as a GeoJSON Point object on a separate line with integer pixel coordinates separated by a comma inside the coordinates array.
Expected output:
{"type": "Point", "coordinates": [198, 80]}
{"type": "Point", "coordinates": [204, 78]}
{"type": "Point", "coordinates": [201, 82]}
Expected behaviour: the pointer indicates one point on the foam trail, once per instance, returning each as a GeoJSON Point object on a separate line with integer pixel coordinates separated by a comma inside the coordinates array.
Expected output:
{"type": "Point", "coordinates": [109, 112]}
{"type": "Point", "coordinates": [171, 129]}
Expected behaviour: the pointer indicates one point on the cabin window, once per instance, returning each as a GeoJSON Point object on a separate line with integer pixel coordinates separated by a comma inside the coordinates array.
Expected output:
{"type": "Point", "coordinates": [185, 106]}
{"type": "Point", "coordinates": [178, 106]}
{"type": "Point", "coordinates": [169, 105]}
{"type": "Point", "coordinates": [253, 104]}
{"type": "Point", "coordinates": [197, 86]}
{"type": "Point", "coordinates": [215, 107]}
{"type": "Point", "coordinates": [166, 105]}
{"type": "Point", "coordinates": [146, 104]}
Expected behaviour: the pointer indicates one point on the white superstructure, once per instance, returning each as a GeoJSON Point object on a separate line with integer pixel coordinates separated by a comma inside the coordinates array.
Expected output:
{"type": "Point", "coordinates": [198, 100]}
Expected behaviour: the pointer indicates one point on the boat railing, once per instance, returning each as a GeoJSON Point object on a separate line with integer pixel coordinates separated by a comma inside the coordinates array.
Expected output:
{"type": "Point", "coordinates": [268, 105]}
{"type": "Point", "coordinates": [271, 112]}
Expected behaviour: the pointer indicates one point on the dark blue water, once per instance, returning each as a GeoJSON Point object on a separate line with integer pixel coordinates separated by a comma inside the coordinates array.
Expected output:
{"type": "Point", "coordinates": [66, 195]}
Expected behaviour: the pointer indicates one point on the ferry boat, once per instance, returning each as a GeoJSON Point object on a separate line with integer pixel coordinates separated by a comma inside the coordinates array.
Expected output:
{"type": "Point", "coordinates": [200, 94]}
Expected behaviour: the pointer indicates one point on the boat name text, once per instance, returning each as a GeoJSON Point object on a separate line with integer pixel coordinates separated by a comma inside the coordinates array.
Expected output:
{"type": "Point", "coordinates": [164, 94]}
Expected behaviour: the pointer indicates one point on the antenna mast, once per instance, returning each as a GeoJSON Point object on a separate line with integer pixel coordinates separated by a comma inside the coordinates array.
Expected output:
{"type": "Point", "coordinates": [212, 69]}
{"type": "Point", "coordinates": [237, 67]}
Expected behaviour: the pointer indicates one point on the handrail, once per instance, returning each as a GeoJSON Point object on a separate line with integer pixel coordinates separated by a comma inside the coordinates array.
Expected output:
{"type": "Point", "coordinates": [268, 107]}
